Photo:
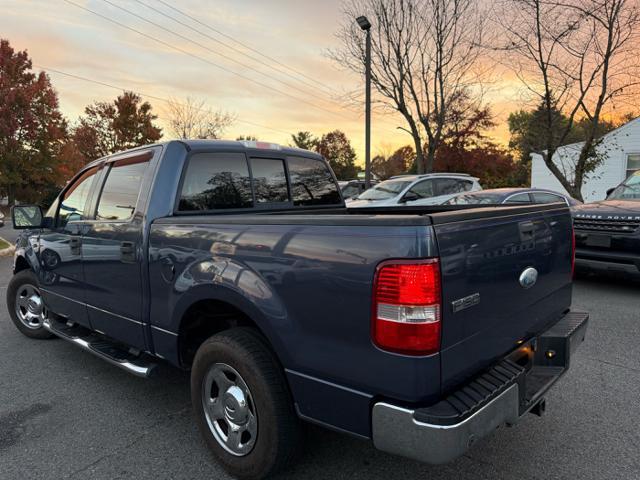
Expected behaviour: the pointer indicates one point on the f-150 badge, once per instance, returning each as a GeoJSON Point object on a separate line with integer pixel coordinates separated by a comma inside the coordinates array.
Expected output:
{"type": "Point", "coordinates": [465, 302]}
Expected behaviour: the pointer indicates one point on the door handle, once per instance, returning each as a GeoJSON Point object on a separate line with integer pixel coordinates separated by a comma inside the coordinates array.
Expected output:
{"type": "Point", "coordinates": [527, 230]}
{"type": "Point", "coordinates": [128, 251]}
{"type": "Point", "coordinates": [75, 245]}
{"type": "Point", "coordinates": [127, 248]}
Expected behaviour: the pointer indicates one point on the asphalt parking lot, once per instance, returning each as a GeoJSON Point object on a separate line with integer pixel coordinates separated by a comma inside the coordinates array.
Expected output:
{"type": "Point", "coordinates": [67, 414]}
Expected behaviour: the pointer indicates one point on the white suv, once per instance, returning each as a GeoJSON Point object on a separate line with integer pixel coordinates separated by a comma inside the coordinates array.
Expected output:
{"type": "Point", "coordinates": [427, 189]}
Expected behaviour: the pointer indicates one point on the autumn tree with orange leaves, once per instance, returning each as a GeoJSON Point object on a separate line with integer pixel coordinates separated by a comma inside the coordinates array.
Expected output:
{"type": "Point", "coordinates": [32, 129]}
{"type": "Point", "coordinates": [110, 127]}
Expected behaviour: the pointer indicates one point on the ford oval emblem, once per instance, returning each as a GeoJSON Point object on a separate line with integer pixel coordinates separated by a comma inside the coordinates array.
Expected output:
{"type": "Point", "coordinates": [528, 277]}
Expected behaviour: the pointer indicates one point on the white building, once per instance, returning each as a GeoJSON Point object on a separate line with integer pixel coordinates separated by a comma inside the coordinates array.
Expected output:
{"type": "Point", "coordinates": [620, 150]}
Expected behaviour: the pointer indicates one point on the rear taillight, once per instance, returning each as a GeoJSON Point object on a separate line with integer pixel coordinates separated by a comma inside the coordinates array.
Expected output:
{"type": "Point", "coordinates": [406, 307]}
{"type": "Point", "coordinates": [573, 251]}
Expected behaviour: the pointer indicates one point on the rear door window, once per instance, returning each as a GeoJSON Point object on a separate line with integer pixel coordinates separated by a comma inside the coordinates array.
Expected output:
{"type": "Point", "coordinates": [312, 182]}
{"type": "Point", "coordinates": [215, 181]}
{"type": "Point", "coordinates": [269, 180]}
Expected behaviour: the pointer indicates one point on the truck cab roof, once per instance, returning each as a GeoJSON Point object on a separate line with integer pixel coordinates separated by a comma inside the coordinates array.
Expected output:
{"type": "Point", "coordinates": [224, 145]}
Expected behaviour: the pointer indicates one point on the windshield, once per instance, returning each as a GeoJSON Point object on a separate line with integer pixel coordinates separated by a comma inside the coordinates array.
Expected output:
{"type": "Point", "coordinates": [385, 190]}
{"type": "Point", "coordinates": [475, 199]}
{"type": "Point", "coordinates": [629, 190]}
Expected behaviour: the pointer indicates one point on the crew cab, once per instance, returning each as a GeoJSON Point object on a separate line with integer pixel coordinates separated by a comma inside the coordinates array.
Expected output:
{"type": "Point", "coordinates": [608, 232]}
{"type": "Point", "coordinates": [421, 329]}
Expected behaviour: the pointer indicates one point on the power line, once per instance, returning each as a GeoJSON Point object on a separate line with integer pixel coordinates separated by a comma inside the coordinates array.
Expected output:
{"type": "Point", "coordinates": [146, 95]}
{"type": "Point", "coordinates": [226, 57]}
{"type": "Point", "coordinates": [248, 47]}
{"type": "Point", "coordinates": [198, 57]}
{"type": "Point", "coordinates": [325, 88]}
{"type": "Point", "coordinates": [185, 52]}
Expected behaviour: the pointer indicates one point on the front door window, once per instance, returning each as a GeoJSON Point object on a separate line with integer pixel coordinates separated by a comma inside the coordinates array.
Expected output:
{"type": "Point", "coordinates": [74, 199]}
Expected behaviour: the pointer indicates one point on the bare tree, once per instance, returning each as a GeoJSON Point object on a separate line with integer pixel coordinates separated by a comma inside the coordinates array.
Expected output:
{"type": "Point", "coordinates": [575, 58]}
{"type": "Point", "coordinates": [191, 118]}
{"type": "Point", "coordinates": [424, 62]}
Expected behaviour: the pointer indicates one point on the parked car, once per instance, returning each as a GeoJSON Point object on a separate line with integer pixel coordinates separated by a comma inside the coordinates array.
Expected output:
{"type": "Point", "coordinates": [519, 196]}
{"type": "Point", "coordinates": [608, 232]}
{"type": "Point", "coordinates": [238, 261]}
{"type": "Point", "coordinates": [427, 189]}
{"type": "Point", "coordinates": [1, 219]}
{"type": "Point", "coordinates": [352, 188]}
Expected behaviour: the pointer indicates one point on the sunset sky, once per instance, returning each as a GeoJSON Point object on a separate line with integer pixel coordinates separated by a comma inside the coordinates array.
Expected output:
{"type": "Point", "coordinates": [269, 105]}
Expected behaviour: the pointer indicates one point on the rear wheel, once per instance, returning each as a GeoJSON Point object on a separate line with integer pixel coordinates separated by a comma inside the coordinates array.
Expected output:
{"type": "Point", "coordinates": [25, 304]}
{"type": "Point", "coordinates": [242, 404]}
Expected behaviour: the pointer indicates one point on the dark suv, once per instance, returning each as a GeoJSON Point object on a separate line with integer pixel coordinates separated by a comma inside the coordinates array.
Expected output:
{"type": "Point", "coordinates": [608, 232]}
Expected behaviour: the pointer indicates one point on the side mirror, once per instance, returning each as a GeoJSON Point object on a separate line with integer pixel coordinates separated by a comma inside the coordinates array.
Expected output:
{"type": "Point", "coordinates": [26, 216]}
{"type": "Point", "coordinates": [410, 197]}
{"type": "Point", "coordinates": [610, 191]}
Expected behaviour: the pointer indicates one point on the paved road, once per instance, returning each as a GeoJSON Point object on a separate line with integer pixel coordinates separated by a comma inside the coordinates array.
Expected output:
{"type": "Point", "coordinates": [7, 232]}
{"type": "Point", "coordinates": [66, 414]}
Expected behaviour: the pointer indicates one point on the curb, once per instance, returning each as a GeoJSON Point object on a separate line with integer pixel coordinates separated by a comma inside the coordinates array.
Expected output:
{"type": "Point", "coordinates": [5, 252]}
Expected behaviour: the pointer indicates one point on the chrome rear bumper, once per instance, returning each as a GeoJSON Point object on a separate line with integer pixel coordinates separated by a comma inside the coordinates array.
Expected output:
{"type": "Point", "coordinates": [500, 396]}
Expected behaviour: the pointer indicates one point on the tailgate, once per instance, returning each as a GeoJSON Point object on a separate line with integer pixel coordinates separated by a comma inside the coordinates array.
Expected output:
{"type": "Point", "coordinates": [491, 296]}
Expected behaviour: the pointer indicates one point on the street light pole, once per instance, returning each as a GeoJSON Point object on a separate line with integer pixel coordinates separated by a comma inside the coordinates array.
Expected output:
{"type": "Point", "coordinates": [366, 26]}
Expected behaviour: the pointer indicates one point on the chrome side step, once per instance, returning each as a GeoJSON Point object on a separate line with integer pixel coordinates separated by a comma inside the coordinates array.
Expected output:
{"type": "Point", "coordinates": [101, 347]}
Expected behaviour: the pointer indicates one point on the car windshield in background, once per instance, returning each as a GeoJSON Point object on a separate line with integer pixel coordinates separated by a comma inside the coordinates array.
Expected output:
{"type": "Point", "coordinates": [385, 190]}
{"type": "Point", "coordinates": [629, 190]}
{"type": "Point", "coordinates": [475, 199]}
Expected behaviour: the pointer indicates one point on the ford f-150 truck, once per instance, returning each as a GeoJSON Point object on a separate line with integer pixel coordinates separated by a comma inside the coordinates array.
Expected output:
{"type": "Point", "coordinates": [422, 329]}
{"type": "Point", "coordinates": [608, 232]}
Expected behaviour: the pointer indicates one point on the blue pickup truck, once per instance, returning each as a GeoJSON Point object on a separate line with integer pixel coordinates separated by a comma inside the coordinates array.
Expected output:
{"type": "Point", "coordinates": [422, 329]}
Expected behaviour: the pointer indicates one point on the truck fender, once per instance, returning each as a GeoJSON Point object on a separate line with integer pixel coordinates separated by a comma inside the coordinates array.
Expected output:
{"type": "Point", "coordinates": [226, 280]}
{"type": "Point", "coordinates": [25, 256]}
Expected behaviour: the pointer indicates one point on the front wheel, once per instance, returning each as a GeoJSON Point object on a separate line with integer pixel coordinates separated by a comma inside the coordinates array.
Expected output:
{"type": "Point", "coordinates": [25, 304]}
{"type": "Point", "coordinates": [243, 405]}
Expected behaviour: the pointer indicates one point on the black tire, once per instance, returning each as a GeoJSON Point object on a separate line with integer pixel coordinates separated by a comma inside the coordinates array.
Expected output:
{"type": "Point", "coordinates": [279, 431]}
{"type": "Point", "coordinates": [19, 280]}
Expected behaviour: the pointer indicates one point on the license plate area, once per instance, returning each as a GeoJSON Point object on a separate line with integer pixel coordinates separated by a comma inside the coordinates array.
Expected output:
{"type": "Point", "coordinates": [601, 241]}
{"type": "Point", "coordinates": [534, 366]}
{"type": "Point", "coordinates": [552, 353]}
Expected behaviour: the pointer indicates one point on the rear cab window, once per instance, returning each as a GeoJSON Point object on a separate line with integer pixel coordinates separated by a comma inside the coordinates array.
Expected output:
{"type": "Point", "coordinates": [312, 182]}
{"type": "Point", "coordinates": [224, 181]}
{"type": "Point", "coordinates": [269, 180]}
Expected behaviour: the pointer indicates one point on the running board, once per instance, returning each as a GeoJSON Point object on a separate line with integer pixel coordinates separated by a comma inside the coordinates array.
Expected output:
{"type": "Point", "coordinates": [101, 347]}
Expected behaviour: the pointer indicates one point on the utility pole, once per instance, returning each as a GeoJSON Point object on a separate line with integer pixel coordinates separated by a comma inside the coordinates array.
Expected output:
{"type": "Point", "coordinates": [365, 25]}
